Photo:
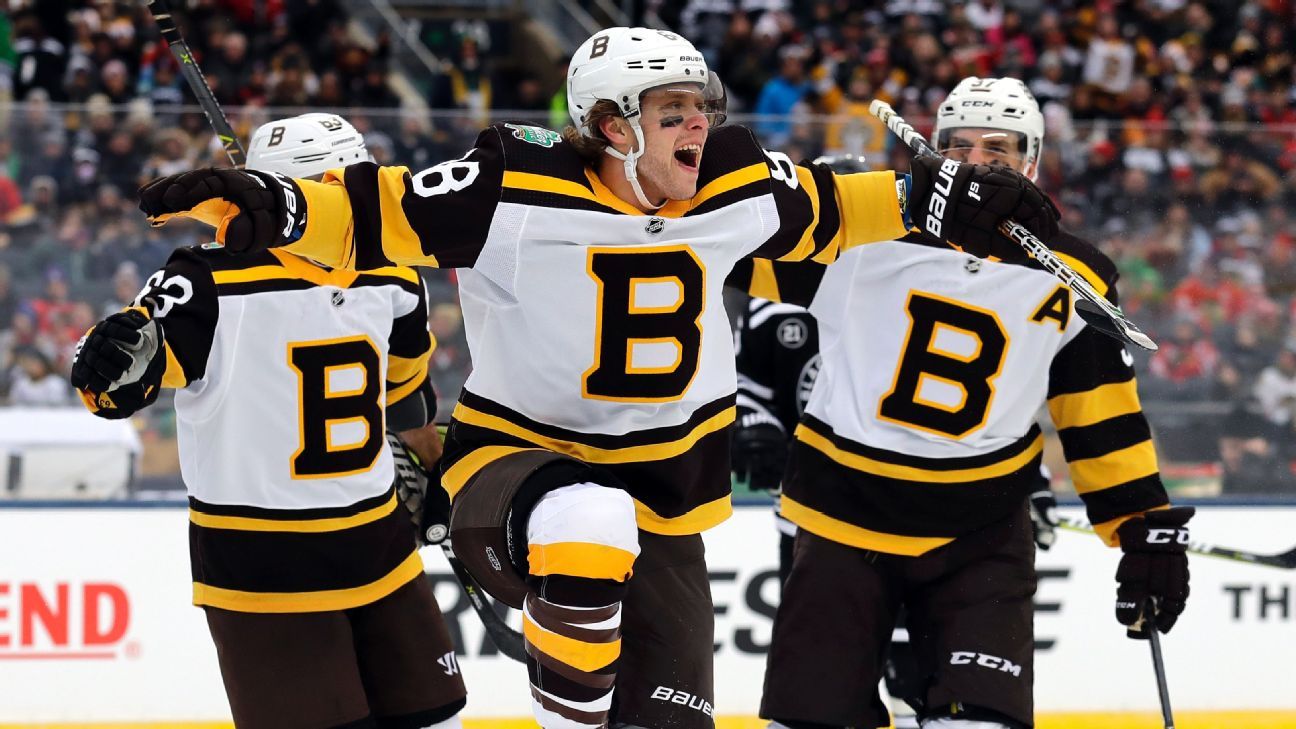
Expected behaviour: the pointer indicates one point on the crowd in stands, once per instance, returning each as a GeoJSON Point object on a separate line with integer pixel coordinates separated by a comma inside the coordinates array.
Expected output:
{"type": "Point", "coordinates": [1171, 143]}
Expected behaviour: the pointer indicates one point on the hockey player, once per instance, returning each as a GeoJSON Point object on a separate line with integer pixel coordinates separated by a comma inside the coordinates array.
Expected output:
{"type": "Point", "coordinates": [286, 374]}
{"type": "Point", "coordinates": [910, 472]}
{"type": "Point", "coordinates": [591, 441]}
{"type": "Point", "coordinates": [778, 359]}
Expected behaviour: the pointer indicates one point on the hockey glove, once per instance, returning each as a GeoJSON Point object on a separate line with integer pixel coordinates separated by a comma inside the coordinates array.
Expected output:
{"type": "Point", "coordinates": [429, 507]}
{"type": "Point", "coordinates": [759, 454]}
{"type": "Point", "coordinates": [1043, 511]}
{"type": "Point", "coordinates": [118, 365]}
{"type": "Point", "coordinates": [963, 204]}
{"type": "Point", "coordinates": [1152, 578]}
{"type": "Point", "coordinates": [252, 211]}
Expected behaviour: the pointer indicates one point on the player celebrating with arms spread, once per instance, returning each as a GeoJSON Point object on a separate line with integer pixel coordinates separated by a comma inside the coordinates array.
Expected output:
{"type": "Point", "coordinates": [589, 448]}
{"type": "Point", "coordinates": [911, 470]}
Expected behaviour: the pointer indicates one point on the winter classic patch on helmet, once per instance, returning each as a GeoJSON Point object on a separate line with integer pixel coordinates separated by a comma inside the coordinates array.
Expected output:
{"type": "Point", "coordinates": [535, 135]}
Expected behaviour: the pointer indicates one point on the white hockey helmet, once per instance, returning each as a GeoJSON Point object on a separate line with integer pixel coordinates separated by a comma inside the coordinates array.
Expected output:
{"type": "Point", "coordinates": [306, 146]}
{"type": "Point", "coordinates": [994, 103]}
{"type": "Point", "coordinates": [619, 65]}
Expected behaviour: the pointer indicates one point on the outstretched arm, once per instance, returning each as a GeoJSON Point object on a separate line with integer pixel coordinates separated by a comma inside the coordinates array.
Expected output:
{"type": "Point", "coordinates": [359, 217]}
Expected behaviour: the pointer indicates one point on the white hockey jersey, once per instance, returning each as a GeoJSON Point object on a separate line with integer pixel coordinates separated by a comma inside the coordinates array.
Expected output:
{"type": "Point", "coordinates": [283, 370]}
{"type": "Point", "coordinates": [597, 331]}
{"type": "Point", "coordinates": [922, 423]}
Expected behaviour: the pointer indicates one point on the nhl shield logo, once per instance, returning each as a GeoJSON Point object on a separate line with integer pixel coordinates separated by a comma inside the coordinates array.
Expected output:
{"type": "Point", "coordinates": [338, 298]}
{"type": "Point", "coordinates": [655, 226]}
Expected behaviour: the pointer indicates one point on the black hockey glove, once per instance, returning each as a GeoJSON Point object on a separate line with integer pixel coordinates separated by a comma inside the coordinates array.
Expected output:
{"type": "Point", "coordinates": [428, 503]}
{"type": "Point", "coordinates": [964, 204]}
{"type": "Point", "coordinates": [1043, 511]}
{"type": "Point", "coordinates": [1044, 518]}
{"type": "Point", "coordinates": [1152, 579]}
{"type": "Point", "coordinates": [118, 365]}
{"type": "Point", "coordinates": [759, 454]}
{"type": "Point", "coordinates": [263, 210]}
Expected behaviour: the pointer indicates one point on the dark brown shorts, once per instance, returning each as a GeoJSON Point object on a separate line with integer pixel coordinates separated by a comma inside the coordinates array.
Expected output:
{"type": "Point", "coordinates": [969, 616]}
{"type": "Point", "coordinates": [386, 664]}
{"type": "Point", "coordinates": [665, 674]}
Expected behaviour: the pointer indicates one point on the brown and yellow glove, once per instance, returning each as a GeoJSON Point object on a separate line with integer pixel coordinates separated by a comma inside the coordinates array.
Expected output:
{"type": "Point", "coordinates": [251, 210]}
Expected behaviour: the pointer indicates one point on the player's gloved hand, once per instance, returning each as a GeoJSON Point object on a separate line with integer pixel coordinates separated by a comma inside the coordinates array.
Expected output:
{"type": "Point", "coordinates": [428, 503]}
{"type": "Point", "coordinates": [252, 211]}
{"type": "Point", "coordinates": [117, 366]}
{"type": "Point", "coordinates": [963, 204]}
{"type": "Point", "coordinates": [1152, 578]}
{"type": "Point", "coordinates": [1044, 518]}
{"type": "Point", "coordinates": [759, 454]}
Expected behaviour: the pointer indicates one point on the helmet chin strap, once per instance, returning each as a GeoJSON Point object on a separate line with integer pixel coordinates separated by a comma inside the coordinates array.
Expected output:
{"type": "Point", "coordinates": [631, 159]}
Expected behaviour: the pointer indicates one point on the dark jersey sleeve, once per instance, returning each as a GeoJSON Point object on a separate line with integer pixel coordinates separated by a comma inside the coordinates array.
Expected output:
{"type": "Point", "coordinates": [408, 348]}
{"type": "Point", "coordinates": [366, 216]}
{"type": "Point", "coordinates": [181, 296]}
{"type": "Point", "coordinates": [777, 361]}
{"type": "Point", "coordinates": [822, 213]}
{"type": "Point", "coordinates": [1093, 400]}
{"type": "Point", "coordinates": [790, 283]}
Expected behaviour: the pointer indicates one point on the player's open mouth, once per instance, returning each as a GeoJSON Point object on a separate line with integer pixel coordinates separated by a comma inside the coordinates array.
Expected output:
{"type": "Point", "coordinates": [689, 156]}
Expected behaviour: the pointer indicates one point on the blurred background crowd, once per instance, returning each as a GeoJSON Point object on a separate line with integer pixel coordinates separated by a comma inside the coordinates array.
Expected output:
{"type": "Point", "coordinates": [1171, 143]}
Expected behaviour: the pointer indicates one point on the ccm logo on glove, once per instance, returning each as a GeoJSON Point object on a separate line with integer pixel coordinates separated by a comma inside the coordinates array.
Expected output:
{"type": "Point", "coordinates": [1166, 536]}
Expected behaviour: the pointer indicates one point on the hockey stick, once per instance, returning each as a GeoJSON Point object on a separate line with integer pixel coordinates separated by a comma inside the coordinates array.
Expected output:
{"type": "Point", "coordinates": [508, 640]}
{"type": "Point", "coordinates": [1283, 560]}
{"type": "Point", "coordinates": [1093, 307]}
{"type": "Point", "coordinates": [161, 11]}
{"type": "Point", "coordinates": [1158, 665]}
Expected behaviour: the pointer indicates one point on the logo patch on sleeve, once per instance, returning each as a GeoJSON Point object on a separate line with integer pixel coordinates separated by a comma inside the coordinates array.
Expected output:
{"type": "Point", "coordinates": [535, 135]}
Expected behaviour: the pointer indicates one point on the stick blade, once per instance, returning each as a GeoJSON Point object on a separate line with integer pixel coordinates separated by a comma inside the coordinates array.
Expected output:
{"type": "Point", "coordinates": [1124, 331]}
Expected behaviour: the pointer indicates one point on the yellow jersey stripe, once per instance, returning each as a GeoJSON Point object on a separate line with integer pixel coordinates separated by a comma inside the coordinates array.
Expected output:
{"type": "Point", "coordinates": [292, 267]}
{"type": "Point", "coordinates": [696, 520]}
{"type": "Point", "coordinates": [1083, 269]}
{"type": "Point", "coordinates": [722, 184]}
{"type": "Point", "coordinates": [309, 602]}
{"type": "Point", "coordinates": [402, 272]}
{"type": "Point", "coordinates": [558, 186]}
{"type": "Point", "coordinates": [870, 208]}
{"type": "Point", "coordinates": [401, 369]}
{"type": "Point", "coordinates": [580, 559]}
{"type": "Point", "coordinates": [578, 654]}
{"type": "Point", "coordinates": [399, 241]}
{"type": "Point", "coordinates": [592, 454]}
{"type": "Point", "coordinates": [300, 526]}
{"type": "Point", "coordinates": [1078, 409]}
{"type": "Point", "coordinates": [456, 476]}
{"type": "Point", "coordinates": [173, 376]}
{"type": "Point", "coordinates": [819, 523]}
{"type": "Point", "coordinates": [764, 282]}
{"type": "Point", "coordinates": [914, 473]}
{"type": "Point", "coordinates": [1115, 468]}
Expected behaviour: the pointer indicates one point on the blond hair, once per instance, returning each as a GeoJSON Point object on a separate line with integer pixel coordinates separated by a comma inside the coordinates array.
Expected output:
{"type": "Point", "coordinates": [590, 146]}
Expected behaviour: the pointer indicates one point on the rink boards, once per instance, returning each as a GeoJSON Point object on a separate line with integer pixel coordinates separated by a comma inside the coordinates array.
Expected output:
{"type": "Point", "coordinates": [96, 628]}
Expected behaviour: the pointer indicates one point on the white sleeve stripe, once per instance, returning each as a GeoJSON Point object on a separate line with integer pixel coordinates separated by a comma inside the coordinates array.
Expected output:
{"type": "Point", "coordinates": [759, 409]}
{"type": "Point", "coordinates": [602, 703]}
{"type": "Point", "coordinates": [759, 317]}
{"type": "Point", "coordinates": [755, 388]}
